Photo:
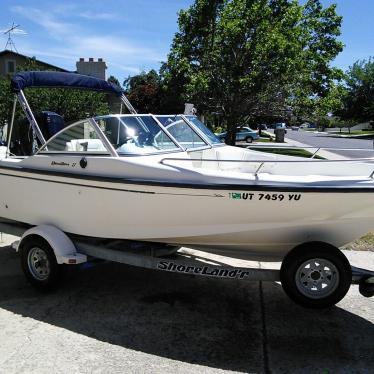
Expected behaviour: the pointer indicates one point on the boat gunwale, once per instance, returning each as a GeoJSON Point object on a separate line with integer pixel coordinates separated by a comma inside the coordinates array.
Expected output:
{"type": "Point", "coordinates": [182, 185]}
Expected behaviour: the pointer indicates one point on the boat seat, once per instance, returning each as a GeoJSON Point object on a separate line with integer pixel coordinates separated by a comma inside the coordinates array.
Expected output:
{"type": "Point", "coordinates": [85, 145]}
{"type": "Point", "coordinates": [3, 151]}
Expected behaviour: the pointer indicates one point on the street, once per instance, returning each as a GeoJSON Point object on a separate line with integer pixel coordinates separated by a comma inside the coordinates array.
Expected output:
{"type": "Point", "coordinates": [325, 140]}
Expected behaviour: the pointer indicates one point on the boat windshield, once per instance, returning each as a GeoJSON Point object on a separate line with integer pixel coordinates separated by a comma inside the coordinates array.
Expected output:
{"type": "Point", "coordinates": [143, 135]}
{"type": "Point", "coordinates": [207, 132]}
{"type": "Point", "coordinates": [129, 135]}
{"type": "Point", "coordinates": [135, 135]}
{"type": "Point", "coordinates": [184, 134]}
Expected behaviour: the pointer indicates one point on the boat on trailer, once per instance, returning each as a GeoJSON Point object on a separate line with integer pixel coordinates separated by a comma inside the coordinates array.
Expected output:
{"type": "Point", "coordinates": [167, 181]}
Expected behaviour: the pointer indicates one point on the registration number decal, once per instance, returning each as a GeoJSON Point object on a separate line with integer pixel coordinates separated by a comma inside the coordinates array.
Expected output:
{"type": "Point", "coordinates": [265, 196]}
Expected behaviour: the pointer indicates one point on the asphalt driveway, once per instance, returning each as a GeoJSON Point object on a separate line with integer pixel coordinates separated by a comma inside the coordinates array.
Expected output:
{"type": "Point", "coordinates": [114, 318]}
{"type": "Point", "coordinates": [326, 140]}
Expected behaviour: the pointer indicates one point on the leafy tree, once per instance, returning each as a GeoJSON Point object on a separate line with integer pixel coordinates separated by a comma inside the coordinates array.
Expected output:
{"type": "Point", "coordinates": [6, 101]}
{"type": "Point", "coordinates": [144, 91]}
{"type": "Point", "coordinates": [319, 109]}
{"type": "Point", "coordinates": [359, 98]}
{"type": "Point", "coordinates": [114, 80]}
{"type": "Point", "coordinates": [247, 58]}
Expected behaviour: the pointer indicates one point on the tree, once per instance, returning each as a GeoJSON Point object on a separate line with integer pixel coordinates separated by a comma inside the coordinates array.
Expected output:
{"type": "Point", "coordinates": [144, 91]}
{"type": "Point", "coordinates": [319, 109]}
{"type": "Point", "coordinates": [6, 101]}
{"type": "Point", "coordinates": [246, 58]}
{"type": "Point", "coordinates": [359, 98]}
{"type": "Point", "coordinates": [114, 80]}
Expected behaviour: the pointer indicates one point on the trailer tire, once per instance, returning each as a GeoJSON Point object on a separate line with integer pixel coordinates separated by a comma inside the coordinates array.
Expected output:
{"type": "Point", "coordinates": [39, 264]}
{"type": "Point", "coordinates": [316, 275]}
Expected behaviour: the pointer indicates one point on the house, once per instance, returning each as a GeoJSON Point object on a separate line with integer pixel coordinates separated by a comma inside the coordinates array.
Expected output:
{"type": "Point", "coordinates": [9, 60]}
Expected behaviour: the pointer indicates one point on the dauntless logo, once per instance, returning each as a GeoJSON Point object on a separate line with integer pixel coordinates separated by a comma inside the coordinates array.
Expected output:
{"type": "Point", "coordinates": [55, 163]}
{"type": "Point", "coordinates": [218, 272]}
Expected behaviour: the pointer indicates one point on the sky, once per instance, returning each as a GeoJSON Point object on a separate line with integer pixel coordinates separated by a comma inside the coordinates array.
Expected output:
{"type": "Point", "coordinates": [135, 35]}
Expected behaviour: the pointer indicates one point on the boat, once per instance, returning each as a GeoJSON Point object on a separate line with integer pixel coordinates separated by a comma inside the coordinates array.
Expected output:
{"type": "Point", "coordinates": [167, 180]}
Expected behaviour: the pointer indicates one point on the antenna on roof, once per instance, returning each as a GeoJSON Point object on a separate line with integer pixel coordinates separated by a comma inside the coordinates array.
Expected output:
{"type": "Point", "coordinates": [12, 30]}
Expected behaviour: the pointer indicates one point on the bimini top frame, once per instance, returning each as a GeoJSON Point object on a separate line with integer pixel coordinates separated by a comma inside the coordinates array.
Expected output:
{"type": "Point", "coordinates": [22, 80]}
{"type": "Point", "coordinates": [59, 79]}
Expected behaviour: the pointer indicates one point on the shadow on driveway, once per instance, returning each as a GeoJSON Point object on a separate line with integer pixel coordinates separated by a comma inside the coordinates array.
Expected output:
{"type": "Point", "coordinates": [213, 323]}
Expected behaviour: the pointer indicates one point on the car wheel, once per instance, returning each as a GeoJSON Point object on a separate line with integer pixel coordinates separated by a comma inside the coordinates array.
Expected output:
{"type": "Point", "coordinates": [249, 139]}
{"type": "Point", "coordinates": [316, 275]}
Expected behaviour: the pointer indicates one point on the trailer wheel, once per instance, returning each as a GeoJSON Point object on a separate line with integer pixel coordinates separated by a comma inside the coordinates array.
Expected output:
{"type": "Point", "coordinates": [39, 264]}
{"type": "Point", "coordinates": [316, 275]}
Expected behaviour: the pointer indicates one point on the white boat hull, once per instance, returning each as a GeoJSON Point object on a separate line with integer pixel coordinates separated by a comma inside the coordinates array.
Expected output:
{"type": "Point", "coordinates": [240, 223]}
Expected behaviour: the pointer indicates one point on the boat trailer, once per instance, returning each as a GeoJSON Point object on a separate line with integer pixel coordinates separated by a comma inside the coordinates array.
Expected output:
{"type": "Point", "coordinates": [70, 250]}
{"type": "Point", "coordinates": [184, 263]}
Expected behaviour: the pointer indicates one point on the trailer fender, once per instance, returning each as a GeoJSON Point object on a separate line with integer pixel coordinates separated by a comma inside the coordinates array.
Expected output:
{"type": "Point", "coordinates": [61, 244]}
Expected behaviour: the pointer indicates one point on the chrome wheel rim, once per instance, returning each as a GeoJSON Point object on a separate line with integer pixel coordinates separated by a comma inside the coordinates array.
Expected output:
{"type": "Point", "coordinates": [317, 278]}
{"type": "Point", "coordinates": [38, 263]}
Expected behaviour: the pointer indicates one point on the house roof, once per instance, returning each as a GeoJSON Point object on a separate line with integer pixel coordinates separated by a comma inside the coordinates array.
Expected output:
{"type": "Point", "coordinates": [7, 51]}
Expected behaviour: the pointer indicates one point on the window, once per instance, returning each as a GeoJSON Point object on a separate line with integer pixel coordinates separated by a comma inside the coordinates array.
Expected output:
{"type": "Point", "coordinates": [135, 135]}
{"type": "Point", "coordinates": [209, 134]}
{"type": "Point", "coordinates": [79, 138]}
{"type": "Point", "coordinates": [10, 66]}
{"type": "Point", "coordinates": [182, 132]}
{"type": "Point", "coordinates": [110, 126]}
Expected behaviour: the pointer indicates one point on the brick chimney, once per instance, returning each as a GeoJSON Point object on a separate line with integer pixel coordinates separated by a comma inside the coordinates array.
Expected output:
{"type": "Point", "coordinates": [92, 67]}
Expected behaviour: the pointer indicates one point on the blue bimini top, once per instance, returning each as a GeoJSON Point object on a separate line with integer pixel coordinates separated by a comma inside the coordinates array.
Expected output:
{"type": "Point", "coordinates": [25, 79]}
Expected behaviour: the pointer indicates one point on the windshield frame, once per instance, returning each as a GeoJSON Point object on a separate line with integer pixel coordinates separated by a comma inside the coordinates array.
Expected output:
{"type": "Point", "coordinates": [179, 147]}
{"type": "Point", "coordinates": [199, 132]}
{"type": "Point", "coordinates": [193, 128]}
{"type": "Point", "coordinates": [107, 144]}
{"type": "Point", "coordinates": [113, 152]}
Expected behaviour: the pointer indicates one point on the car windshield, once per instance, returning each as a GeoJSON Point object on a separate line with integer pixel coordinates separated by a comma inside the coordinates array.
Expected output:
{"type": "Point", "coordinates": [245, 129]}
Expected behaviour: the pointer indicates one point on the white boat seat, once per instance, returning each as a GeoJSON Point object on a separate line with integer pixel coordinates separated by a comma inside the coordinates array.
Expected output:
{"type": "Point", "coordinates": [3, 151]}
{"type": "Point", "coordinates": [85, 145]}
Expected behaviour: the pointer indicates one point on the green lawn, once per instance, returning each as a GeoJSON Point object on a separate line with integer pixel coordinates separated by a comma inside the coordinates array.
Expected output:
{"type": "Point", "coordinates": [264, 140]}
{"type": "Point", "coordinates": [288, 152]}
{"type": "Point", "coordinates": [366, 243]}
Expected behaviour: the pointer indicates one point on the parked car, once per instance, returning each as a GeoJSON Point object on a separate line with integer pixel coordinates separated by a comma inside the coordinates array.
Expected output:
{"type": "Point", "coordinates": [243, 133]}
{"type": "Point", "coordinates": [307, 125]}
